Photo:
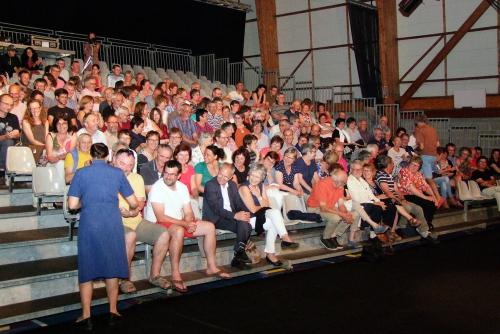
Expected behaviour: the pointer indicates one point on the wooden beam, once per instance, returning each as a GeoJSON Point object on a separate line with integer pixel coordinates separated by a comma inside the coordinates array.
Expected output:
{"type": "Point", "coordinates": [447, 48]}
{"type": "Point", "coordinates": [388, 50]}
{"type": "Point", "coordinates": [268, 39]}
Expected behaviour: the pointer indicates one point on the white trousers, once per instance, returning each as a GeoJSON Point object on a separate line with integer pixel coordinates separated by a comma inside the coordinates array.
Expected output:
{"type": "Point", "coordinates": [273, 226]}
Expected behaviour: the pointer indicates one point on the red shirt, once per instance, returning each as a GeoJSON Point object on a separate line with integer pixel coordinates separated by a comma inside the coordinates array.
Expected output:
{"type": "Point", "coordinates": [325, 191]}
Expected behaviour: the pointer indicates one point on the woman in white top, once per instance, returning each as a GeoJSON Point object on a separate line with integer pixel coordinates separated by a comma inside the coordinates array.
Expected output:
{"type": "Point", "coordinates": [262, 138]}
{"type": "Point", "coordinates": [397, 154]}
{"type": "Point", "coordinates": [352, 131]}
{"type": "Point", "coordinates": [365, 203]}
{"type": "Point", "coordinates": [198, 152]}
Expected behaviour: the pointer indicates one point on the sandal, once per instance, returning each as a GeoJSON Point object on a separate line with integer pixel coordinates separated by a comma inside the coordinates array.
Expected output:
{"type": "Point", "coordinates": [178, 285]}
{"type": "Point", "coordinates": [394, 236]}
{"type": "Point", "coordinates": [415, 222]}
{"type": "Point", "coordinates": [220, 274]}
{"type": "Point", "coordinates": [160, 282]}
{"type": "Point", "coordinates": [126, 286]}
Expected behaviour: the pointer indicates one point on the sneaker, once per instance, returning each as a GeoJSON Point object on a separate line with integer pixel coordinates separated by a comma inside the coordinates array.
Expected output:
{"type": "Point", "coordinates": [243, 257]}
{"type": "Point", "coordinates": [380, 229]}
{"type": "Point", "coordinates": [330, 244]}
{"type": "Point", "coordinates": [237, 263]}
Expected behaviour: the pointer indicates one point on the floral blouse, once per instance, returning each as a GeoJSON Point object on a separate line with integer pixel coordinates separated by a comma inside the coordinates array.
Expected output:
{"type": "Point", "coordinates": [407, 178]}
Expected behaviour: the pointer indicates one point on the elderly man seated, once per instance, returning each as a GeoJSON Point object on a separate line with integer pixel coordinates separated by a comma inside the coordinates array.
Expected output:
{"type": "Point", "coordinates": [327, 199]}
{"type": "Point", "coordinates": [169, 204]}
{"type": "Point", "coordinates": [79, 157]}
{"type": "Point", "coordinates": [138, 229]}
{"type": "Point", "coordinates": [224, 207]}
{"type": "Point", "coordinates": [91, 127]}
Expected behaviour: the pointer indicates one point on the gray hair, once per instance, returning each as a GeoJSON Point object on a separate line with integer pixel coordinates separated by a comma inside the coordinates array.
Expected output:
{"type": "Point", "coordinates": [372, 147]}
{"type": "Point", "coordinates": [306, 148]}
{"type": "Point", "coordinates": [258, 168]}
{"type": "Point", "coordinates": [337, 177]}
{"type": "Point", "coordinates": [204, 136]}
{"type": "Point", "coordinates": [356, 162]}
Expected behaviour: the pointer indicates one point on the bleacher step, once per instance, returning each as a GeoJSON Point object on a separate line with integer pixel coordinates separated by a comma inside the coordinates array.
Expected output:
{"type": "Point", "coordinates": [71, 301]}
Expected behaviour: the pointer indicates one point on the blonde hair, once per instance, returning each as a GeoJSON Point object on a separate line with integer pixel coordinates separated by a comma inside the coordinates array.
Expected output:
{"type": "Point", "coordinates": [83, 101]}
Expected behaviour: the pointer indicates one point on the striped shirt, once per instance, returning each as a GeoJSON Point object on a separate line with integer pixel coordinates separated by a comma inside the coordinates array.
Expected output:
{"type": "Point", "coordinates": [383, 177]}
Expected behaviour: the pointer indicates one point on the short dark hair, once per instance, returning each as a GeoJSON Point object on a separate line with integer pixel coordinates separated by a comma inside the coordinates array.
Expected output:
{"type": "Point", "coordinates": [382, 162]}
{"type": "Point", "coordinates": [60, 91]}
{"type": "Point", "coordinates": [200, 113]}
{"type": "Point", "coordinates": [99, 151]}
{"type": "Point", "coordinates": [136, 121]}
{"type": "Point", "coordinates": [173, 164]}
{"type": "Point", "coordinates": [339, 120]}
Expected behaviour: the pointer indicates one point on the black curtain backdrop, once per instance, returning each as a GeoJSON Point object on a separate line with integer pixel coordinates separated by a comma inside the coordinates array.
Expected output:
{"type": "Point", "coordinates": [364, 30]}
{"type": "Point", "coordinates": [184, 24]}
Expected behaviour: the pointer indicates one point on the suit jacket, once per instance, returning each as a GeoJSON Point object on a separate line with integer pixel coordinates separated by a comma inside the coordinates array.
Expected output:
{"type": "Point", "coordinates": [213, 203]}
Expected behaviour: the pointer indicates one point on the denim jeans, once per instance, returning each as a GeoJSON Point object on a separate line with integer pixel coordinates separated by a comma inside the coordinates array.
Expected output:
{"type": "Point", "coordinates": [428, 162]}
{"type": "Point", "coordinates": [443, 182]}
{"type": "Point", "coordinates": [4, 145]}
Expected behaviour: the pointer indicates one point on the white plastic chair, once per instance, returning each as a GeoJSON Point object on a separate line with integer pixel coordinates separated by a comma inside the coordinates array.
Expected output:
{"type": "Point", "coordinates": [476, 191]}
{"type": "Point", "coordinates": [463, 191]}
{"type": "Point", "coordinates": [292, 202]}
{"type": "Point", "coordinates": [20, 163]}
{"type": "Point", "coordinates": [48, 186]}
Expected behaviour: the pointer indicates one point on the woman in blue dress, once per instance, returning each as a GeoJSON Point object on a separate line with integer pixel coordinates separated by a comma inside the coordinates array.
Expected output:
{"type": "Point", "coordinates": [101, 243]}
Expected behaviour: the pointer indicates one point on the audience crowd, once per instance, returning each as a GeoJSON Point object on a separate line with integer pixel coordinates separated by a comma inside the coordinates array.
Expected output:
{"type": "Point", "coordinates": [243, 162]}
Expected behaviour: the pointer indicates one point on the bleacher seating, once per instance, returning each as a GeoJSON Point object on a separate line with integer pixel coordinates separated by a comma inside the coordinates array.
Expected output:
{"type": "Point", "coordinates": [20, 164]}
{"type": "Point", "coordinates": [48, 186]}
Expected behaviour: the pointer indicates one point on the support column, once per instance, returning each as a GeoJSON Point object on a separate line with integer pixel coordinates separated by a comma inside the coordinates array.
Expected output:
{"type": "Point", "coordinates": [268, 39]}
{"type": "Point", "coordinates": [388, 46]}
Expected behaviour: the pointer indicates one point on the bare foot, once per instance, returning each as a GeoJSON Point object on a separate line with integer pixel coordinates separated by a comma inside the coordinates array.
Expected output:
{"type": "Point", "coordinates": [218, 273]}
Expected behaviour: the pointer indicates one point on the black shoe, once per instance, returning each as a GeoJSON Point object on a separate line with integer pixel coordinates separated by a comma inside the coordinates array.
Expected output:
{"type": "Point", "coordinates": [289, 245]}
{"type": "Point", "coordinates": [85, 325]}
{"type": "Point", "coordinates": [237, 263]}
{"type": "Point", "coordinates": [274, 263]}
{"type": "Point", "coordinates": [243, 257]}
{"type": "Point", "coordinates": [114, 319]}
{"type": "Point", "coordinates": [330, 244]}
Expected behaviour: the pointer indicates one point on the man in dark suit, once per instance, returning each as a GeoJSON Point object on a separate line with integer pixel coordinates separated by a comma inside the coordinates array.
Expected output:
{"type": "Point", "coordinates": [222, 205]}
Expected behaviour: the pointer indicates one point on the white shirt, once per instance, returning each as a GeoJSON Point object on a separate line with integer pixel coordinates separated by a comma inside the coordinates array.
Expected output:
{"type": "Point", "coordinates": [173, 200]}
{"type": "Point", "coordinates": [397, 157]}
{"type": "Point", "coordinates": [360, 190]}
{"type": "Point", "coordinates": [225, 197]}
{"type": "Point", "coordinates": [64, 74]}
{"type": "Point", "coordinates": [97, 137]}
{"type": "Point", "coordinates": [19, 111]}
{"type": "Point", "coordinates": [234, 95]}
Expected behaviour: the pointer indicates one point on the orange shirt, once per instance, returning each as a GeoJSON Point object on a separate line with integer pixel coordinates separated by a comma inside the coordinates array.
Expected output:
{"type": "Point", "coordinates": [239, 134]}
{"type": "Point", "coordinates": [429, 137]}
{"type": "Point", "coordinates": [325, 191]}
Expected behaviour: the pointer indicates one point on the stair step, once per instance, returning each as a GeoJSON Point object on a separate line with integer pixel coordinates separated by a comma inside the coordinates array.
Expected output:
{"type": "Point", "coordinates": [19, 238]}
{"type": "Point", "coordinates": [71, 301]}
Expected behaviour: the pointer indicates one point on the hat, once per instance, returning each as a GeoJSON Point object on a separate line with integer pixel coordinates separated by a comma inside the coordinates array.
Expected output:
{"type": "Point", "coordinates": [11, 48]}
